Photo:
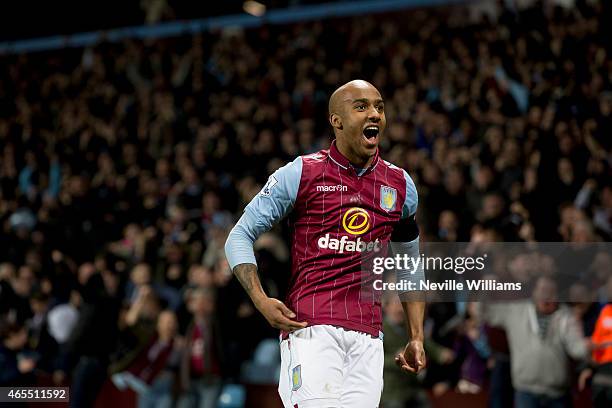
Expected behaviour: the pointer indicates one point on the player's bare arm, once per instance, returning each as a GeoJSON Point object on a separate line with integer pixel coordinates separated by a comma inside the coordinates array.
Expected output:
{"type": "Point", "coordinates": [406, 237]}
{"type": "Point", "coordinates": [413, 359]}
{"type": "Point", "coordinates": [267, 208]}
{"type": "Point", "coordinates": [276, 313]}
{"type": "Point", "coordinates": [249, 279]}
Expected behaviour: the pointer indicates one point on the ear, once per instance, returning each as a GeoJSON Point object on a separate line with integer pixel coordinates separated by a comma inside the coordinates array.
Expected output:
{"type": "Point", "coordinates": [336, 121]}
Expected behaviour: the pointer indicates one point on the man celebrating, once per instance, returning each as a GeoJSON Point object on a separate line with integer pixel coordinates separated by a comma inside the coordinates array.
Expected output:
{"type": "Point", "coordinates": [345, 202]}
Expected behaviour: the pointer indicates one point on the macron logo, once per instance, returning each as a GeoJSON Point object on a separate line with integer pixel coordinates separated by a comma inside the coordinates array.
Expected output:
{"type": "Point", "coordinates": [338, 187]}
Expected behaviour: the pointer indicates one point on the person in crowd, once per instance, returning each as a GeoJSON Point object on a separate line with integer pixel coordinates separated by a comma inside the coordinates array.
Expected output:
{"type": "Point", "coordinates": [17, 366]}
{"type": "Point", "coordinates": [40, 339]}
{"type": "Point", "coordinates": [91, 340]}
{"type": "Point", "coordinates": [140, 277]}
{"type": "Point", "coordinates": [599, 369]}
{"type": "Point", "coordinates": [201, 362]}
{"type": "Point", "coordinates": [151, 370]}
{"type": "Point", "coordinates": [542, 336]}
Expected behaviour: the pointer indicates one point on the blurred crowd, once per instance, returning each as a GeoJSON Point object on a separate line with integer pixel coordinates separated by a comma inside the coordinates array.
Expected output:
{"type": "Point", "coordinates": [124, 166]}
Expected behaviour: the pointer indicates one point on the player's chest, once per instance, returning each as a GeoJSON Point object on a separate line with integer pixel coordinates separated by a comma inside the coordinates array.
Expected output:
{"type": "Point", "coordinates": [353, 202]}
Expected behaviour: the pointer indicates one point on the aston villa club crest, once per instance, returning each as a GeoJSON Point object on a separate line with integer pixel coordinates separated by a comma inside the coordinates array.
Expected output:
{"type": "Point", "coordinates": [388, 196]}
{"type": "Point", "coordinates": [296, 377]}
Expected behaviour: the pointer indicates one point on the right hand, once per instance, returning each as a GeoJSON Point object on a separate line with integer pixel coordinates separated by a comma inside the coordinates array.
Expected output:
{"type": "Point", "coordinates": [412, 358]}
{"type": "Point", "coordinates": [278, 315]}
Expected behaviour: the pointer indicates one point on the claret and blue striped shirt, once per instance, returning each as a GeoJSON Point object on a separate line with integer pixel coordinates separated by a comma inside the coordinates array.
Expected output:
{"type": "Point", "coordinates": [338, 215]}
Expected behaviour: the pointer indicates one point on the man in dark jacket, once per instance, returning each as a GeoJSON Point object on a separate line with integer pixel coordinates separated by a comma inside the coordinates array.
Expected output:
{"type": "Point", "coordinates": [15, 370]}
{"type": "Point", "coordinates": [92, 341]}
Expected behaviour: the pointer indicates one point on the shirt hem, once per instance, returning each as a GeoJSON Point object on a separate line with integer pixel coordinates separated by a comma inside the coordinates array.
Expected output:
{"type": "Point", "coordinates": [344, 324]}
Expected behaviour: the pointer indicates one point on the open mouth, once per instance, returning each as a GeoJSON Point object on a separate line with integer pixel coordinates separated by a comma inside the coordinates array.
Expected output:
{"type": "Point", "coordinates": [371, 132]}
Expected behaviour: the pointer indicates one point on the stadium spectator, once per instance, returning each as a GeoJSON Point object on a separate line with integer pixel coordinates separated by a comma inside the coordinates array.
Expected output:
{"type": "Point", "coordinates": [599, 368]}
{"type": "Point", "coordinates": [542, 335]}
{"type": "Point", "coordinates": [201, 363]}
{"type": "Point", "coordinates": [472, 350]}
{"type": "Point", "coordinates": [62, 320]}
{"type": "Point", "coordinates": [92, 340]}
{"type": "Point", "coordinates": [40, 340]}
{"type": "Point", "coordinates": [151, 370]}
{"type": "Point", "coordinates": [17, 368]}
{"type": "Point", "coordinates": [142, 281]}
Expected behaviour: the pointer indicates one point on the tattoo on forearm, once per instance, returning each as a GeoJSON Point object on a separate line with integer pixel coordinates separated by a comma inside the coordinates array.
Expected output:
{"type": "Point", "coordinates": [248, 277]}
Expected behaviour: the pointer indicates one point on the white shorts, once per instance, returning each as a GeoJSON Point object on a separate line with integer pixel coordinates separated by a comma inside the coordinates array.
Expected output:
{"type": "Point", "coordinates": [328, 367]}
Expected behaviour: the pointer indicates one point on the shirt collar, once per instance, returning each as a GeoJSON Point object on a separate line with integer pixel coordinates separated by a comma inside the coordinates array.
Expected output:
{"type": "Point", "coordinates": [343, 162]}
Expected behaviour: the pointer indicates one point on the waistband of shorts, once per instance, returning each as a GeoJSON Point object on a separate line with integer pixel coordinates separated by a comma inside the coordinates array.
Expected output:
{"type": "Point", "coordinates": [373, 332]}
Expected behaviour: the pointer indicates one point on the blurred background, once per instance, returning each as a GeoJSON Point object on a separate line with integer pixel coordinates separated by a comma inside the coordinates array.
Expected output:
{"type": "Point", "coordinates": [127, 154]}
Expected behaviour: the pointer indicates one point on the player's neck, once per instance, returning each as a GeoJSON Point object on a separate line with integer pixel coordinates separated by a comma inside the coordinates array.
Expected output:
{"type": "Point", "coordinates": [356, 161]}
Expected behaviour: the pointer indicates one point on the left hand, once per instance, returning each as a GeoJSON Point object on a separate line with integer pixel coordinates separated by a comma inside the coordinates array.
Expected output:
{"type": "Point", "coordinates": [412, 359]}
